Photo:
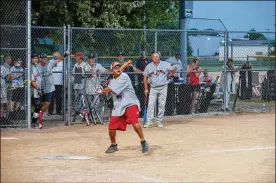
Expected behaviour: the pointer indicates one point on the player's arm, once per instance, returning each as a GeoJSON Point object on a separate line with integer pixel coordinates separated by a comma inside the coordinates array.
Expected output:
{"type": "Point", "coordinates": [146, 83]}
{"type": "Point", "coordinates": [9, 77]}
{"type": "Point", "coordinates": [135, 69]}
{"type": "Point", "coordinates": [173, 71]}
{"type": "Point", "coordinates": [35, 85]}
{"type": "Point", "coordinates": [198, 72]}
{"type": "Point", "coordinates": [105, 91]}
{"type": "Point", "coordinates": [189, 68]}
{"type": "Point", "coordinates": [145, 79]}
{"type": "Point", "coordinates": [62, 58]}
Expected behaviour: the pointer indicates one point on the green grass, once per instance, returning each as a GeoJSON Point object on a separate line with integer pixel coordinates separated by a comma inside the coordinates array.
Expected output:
{"type": "Point", "coordinates": [258, 100]}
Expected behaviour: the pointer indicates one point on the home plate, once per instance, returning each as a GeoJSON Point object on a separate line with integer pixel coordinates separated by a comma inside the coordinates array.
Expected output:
{"type": "Point", "coordinates": [64, 157]}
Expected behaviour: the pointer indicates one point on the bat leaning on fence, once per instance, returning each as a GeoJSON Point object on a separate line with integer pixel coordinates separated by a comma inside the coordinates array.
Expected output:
{"type": "Point", "coordinates": [145, 110]}
{"type": "Point", "coordinates": [237, 94]}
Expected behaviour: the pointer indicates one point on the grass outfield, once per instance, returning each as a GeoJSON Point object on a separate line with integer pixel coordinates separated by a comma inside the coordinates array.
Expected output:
{"type": "Point", "coordinates": [217, 65]}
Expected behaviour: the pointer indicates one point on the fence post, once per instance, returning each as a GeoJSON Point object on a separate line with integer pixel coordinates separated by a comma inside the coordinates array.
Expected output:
{"type": "Point", "coordinates": [155, 40]}
{"type": "Point", "coordinates": [64, 75]}
{"type": "Point", "coordinates": [231, 50]}
{"type": "Point", "coordinates": [224, 70]}
{"type": "Point", "coordinates": [29, 64]}
{"type": "Point", "coordinates": [69, 77]}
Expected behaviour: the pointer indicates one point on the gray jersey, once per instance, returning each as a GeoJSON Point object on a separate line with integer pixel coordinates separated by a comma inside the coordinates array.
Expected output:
{"type": "Point", "coordinates": [47, 78]}
{"type": "Point", "coordinates": [123, 94]}
{"type": "Point", "coordinates": [18, 81]}
{"type": "Point", "coordinates": [3, 92]}
{"type": "Point", "coordinates": [230, 79]}
{"type": "Point", "coordinates": [58, 75]}
{"type": "Point", "coordinates": [158, 75]}
{"type": "Point", "coordinates": [177, 63]}
{"type": "Point", "coordinates": [4, 73]}
{"type": "Point", "coordinates": [92, 82]}
{"type": "Point", "coordinates": [78, 76]}
{"type": "Point", "coordinates": [36, 77]}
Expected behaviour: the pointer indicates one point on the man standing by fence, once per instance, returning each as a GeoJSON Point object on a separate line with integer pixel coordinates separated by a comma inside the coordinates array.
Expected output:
{"type": "Point", "coordinates": [193, 73]}
{"type": "Point", "coordinates": [129, 69]}
{"type": "Point", "coordinates": [228, 83]}
{"type": "Point", "coordinates": [58, 81]}
{"type": "Point", "coordinates": [47, 83]}
{"type": "Point", "coordinates": [78, 81]}
{"type": "Point", "coordinates": [93, 70]}
{"type": "Point", "coordinates": [177, 62]}
{"type": "Point", "coordinates": [36, 88]}
{"type": "Point", "coordinates": [158, 73]}
{"type": "Point", "coordinates": [5, 76]}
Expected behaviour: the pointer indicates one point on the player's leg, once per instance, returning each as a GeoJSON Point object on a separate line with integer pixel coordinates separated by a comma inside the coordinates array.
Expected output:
{"type": "Point", "coordinates": [12, 104]}
{"type": "Point", "coordinates": [37, 108]}
{"type": "Point", "coordinates": [194, 97]}
{"type": "Point", "coordinates": [112, 136]}
{"type": "Point", "coordinates": [227, 101]}
{"type": "Point", "coordinates": [161, 104]}
{"type": "Point", "coordinates": [113, 147]}
{"type": "Point", "coordinates": [138, 129]}
{"type": "Point", "coordinates": [132, 114]}
{"type": "Point", "coordinates": [59, 99]}
{"type": "Point", "coordinates": [150, 112]}
{"type": "Point", "coordinates": [46, 100]}
{"type": "Point", "coordinates": [116, 123]}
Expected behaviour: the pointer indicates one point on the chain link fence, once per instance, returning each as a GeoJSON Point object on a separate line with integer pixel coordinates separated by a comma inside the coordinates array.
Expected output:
{"type": "Point", "coordinates": [252, 79]}
{"type": "Point", "coordinates": [13, 63]}
{"type": "Point", "coordinates": [51, 41]}
{"type": "Point", "coordinates": [208, 46]}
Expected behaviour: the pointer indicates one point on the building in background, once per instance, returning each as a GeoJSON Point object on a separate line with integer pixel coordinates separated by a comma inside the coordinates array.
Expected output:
{"type": "Point", "coordinates": [240, 49]}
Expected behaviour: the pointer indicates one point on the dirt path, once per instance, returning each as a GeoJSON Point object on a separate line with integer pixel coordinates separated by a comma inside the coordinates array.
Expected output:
{"type": "Point", "coordinates": [229, 148]}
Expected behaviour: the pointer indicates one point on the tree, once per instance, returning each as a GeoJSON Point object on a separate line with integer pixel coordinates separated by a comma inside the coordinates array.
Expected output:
{"type": "Point", "coordinates": [86, 13]}
{"type": "Point", "coordinates": [253, 35]}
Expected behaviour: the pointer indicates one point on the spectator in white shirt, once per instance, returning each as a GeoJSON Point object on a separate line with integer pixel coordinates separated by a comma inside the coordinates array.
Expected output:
{"type": "Point", "coordinates": [176, 61]}
{"type": "Point", "coordinates": [58, 81]}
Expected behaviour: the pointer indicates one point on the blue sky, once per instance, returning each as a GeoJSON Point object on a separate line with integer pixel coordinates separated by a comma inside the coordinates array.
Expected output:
{"type": "Point", "coordinates": [236, 15]}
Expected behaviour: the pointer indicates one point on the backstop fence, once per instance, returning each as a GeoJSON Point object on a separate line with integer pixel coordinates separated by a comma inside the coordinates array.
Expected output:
{"type": "Point", "coordinates": [252, 80]}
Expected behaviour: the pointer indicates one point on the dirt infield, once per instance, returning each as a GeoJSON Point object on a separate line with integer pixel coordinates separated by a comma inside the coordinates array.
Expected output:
{"type": "Point", "coordinates": [228, 148]}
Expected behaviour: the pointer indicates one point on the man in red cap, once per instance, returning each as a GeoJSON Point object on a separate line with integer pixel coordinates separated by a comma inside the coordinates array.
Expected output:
{"type": "Point", "coordinates": [78, 79]}
{"type": "Point", "coordinates": [126, 107]}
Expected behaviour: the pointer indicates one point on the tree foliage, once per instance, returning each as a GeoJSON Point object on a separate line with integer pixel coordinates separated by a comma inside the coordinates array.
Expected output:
{"type": "Point", "coordinates": [253, 35]}
{"type": "Point", "coordinates": [104, 13]}
{"type": "Point", "coordinates": [152, 14]}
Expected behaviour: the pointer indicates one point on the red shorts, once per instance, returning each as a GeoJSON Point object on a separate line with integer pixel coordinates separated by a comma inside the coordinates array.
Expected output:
{"type": "Point", "coordinates": [129, 117]}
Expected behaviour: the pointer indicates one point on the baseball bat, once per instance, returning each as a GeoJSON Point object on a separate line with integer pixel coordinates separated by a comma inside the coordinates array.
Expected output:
{"type": "Point", "coordinates": [237, 94]}
{"type": "Point", "coordinates": [145, 111]}
{"type": "Point", "coordinates": [123, 67]}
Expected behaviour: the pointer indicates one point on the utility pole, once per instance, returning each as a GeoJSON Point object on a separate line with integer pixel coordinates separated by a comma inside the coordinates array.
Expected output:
{"type": "Point", "coordinates": [185, 11]}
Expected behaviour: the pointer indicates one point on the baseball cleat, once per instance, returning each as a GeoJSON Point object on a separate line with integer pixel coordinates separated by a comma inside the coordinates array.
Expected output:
{"type": "Point", "coordinates": [160, 125]}
{"type": "Point", "coordinates": [147, 125]}
{"type": "Point", "coordinates": [145, 146]}
{"type": "Point", "coordinates": [112, 148]}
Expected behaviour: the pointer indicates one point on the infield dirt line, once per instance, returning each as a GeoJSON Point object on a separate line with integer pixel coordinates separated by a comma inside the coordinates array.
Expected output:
{"type": "Point", "coordinates": [9, 138]}
{"type": "Point", "coordinates": [258, 148]}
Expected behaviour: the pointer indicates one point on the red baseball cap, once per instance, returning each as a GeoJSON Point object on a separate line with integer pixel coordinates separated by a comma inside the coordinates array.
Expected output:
{"type": "Point", "coordinates": [114, 64]}
{"type": "Point", "coordinates": [78, 54]}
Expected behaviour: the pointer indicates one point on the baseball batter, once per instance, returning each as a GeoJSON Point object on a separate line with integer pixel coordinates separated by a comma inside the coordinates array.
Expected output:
{"type": "Point", "coordinates": [157, 74]}
{"type": "Point", "coordinates": [126, 107]}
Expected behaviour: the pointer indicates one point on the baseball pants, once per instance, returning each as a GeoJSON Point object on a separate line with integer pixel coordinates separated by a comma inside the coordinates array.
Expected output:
{"type": "Point", "coordinates": [157, 93]}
